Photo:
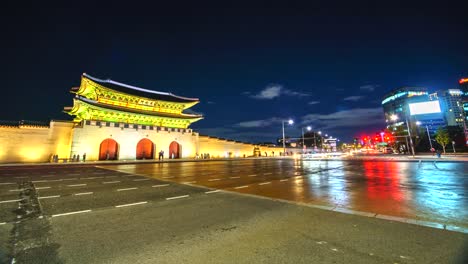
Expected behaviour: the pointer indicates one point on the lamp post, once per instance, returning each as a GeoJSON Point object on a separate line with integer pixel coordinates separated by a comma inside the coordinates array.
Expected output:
{"type": "Point", "coordinates": [290, 122]}
{"type": "Point", "coordinates": [320, 133]}
{"type": "Point", "coordinates": [427, 130]}
{"type": "Point", "coordinates": [303, 143]}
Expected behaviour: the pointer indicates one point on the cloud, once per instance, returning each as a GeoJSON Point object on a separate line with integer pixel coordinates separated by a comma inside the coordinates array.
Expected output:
{"type": "Point", "coordinates": [353, 98]}
{"type": "Point", "coordinates": [357, 118]}
{"type": "Point", "coordinates": [368, 87]}
{"type": "Point", "coordinates": [270, 92]}
{"type": "Point", "coordinates": [314, 102]}
{"type": "Point", "coordinates": [258, 123]}
{"type": "Point", "coordinates": [275, 90]}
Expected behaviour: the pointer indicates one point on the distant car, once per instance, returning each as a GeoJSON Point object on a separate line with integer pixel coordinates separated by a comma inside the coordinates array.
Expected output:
{"type": "Point", "coordinates": [388, 151]}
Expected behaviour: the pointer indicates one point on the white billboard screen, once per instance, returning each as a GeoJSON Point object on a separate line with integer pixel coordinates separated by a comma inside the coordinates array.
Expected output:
{"type": "Point", "coordinates": [430, 107]}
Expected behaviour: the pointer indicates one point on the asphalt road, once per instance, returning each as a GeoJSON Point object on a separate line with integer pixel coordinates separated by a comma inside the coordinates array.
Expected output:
{"type": "Point", "coordinates": [138, 213]}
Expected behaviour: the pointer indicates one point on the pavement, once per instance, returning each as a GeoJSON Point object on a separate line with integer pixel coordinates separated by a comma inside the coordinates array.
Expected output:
{"type": "Point", "coordinates": [87, 214]}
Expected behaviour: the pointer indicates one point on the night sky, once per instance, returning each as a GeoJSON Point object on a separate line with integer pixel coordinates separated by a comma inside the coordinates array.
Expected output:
{"type": "Point", "coordinates": [252, 66]}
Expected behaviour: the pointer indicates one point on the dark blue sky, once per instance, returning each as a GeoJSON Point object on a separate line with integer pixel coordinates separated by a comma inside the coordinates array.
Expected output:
{"type": "Point", "coordinates": [252, 66]}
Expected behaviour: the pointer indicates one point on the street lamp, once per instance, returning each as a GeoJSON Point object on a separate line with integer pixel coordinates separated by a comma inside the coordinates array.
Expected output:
{"type": "Point", "coordinates": [290, 122]}
{"type": "Point", "coordinates": [428, 135]}
{"type": "Point", "coordinates": [303, 143]}
{"type": "Point", "coordinates": [320, 133]}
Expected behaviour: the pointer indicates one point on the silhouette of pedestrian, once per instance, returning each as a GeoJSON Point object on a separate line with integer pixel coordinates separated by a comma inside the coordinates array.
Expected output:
{"type": "Point", "coordinates": [84, 157]}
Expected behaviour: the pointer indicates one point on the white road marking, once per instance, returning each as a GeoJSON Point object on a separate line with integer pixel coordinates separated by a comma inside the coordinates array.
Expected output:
{"type": "Point", "coordinates": [45, 187]}
{"type": "Point", "coordinates": [21, 177]}
{"type": "Point", "coordinates": [241, 187]}
{"type": "Point", "coordinates": [334, 249]}
{"type": "Point", "coordinates": [237, 177]}
{"type": "Point", "coordinates": [71, 213]}
{"type": "Point", "coordinates": [141, 180]}
{"type": "Point", "coordinates": [11, 201]}
{"type": "Point", "coordinates": [70, 179]}
{"type": "Point", "coordinates": [109, 182]}
{"type": "Point", "coordinates": [84, 193]}
{"type": "Point", "coordinates": [3, 223]}
{"type": "Point", "coordinates": [90, 178]}
{"type": "Point", "coordinates": [268, 173]}
{"type": "Point", "coordinates": [48, 176]}
{"type": "Point", "coordinates": [283, 180]}
{"type": "Point", "coordinates": [264, 183]}
{"type": "Point", "coordinates": [189, 182]}
{"type": "Point", "coordinates": [73, 174]}
{"type": "Point", "coordinates": [130, 204]}
{"type": "Point", "coordinates": [253, 175]}
{"type": "Point", "coordinates": [168, 177]}
{"type": "Point", "coordinates": [17, 190]}
{"type": "Point", "coordinates": [77, 185]}
{"type": "Point", "coordinates": [215, 191]}
{"type": "Point", "coordinates": [177, 197]}
{"type": "Point", "coordinates": [127, 189]}
{"type": "Point", "coordinates": [214, 179]}
{"type": "Point", "coordinates": [7, 183]}
{"type": "Point", "coordinates": [111, 176]}
{"type": "Point", "coordinates": [48, 197]}
{"type": "Point", "coordinates": [160, 185]}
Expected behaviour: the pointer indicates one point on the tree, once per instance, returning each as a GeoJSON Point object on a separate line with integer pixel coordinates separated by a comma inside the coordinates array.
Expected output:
{"type": "Point", "coordinates": [442, 137]}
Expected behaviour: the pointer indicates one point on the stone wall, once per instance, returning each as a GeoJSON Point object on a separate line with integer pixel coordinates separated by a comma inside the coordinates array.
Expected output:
{"type": "Point", "coordinates": [29, 143]}
{"type": "Point", "coordinates": [223, 148]}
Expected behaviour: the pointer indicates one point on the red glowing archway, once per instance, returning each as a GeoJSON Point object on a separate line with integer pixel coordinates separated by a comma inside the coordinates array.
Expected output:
{"type": "Point", "coordinates": [174, 150]}
{"type": "Point", "coordinates": [108, 150]}
{"type": "Point", "coordinates": [145, 149]}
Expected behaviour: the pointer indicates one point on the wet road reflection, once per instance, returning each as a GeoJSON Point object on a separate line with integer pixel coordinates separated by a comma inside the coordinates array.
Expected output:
{"type": "Point", "coordinates": [428, 191]}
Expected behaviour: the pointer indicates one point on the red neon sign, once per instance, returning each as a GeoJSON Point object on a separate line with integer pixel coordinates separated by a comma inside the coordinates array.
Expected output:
{"type": "Point", "coordinates": [464, 80]}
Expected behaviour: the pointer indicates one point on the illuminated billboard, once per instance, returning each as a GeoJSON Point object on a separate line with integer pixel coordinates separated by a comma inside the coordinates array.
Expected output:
{"type": "Point", "coordinates": [430, 107]}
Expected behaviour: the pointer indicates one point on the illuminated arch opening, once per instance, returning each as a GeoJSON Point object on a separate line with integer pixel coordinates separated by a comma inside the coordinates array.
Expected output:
{"type": "Point", "coordinates": [109, 150]}
{"type": "Point", "coordinates": [145, 149]}
{"type": "Point", "coordinates": [174, 150]}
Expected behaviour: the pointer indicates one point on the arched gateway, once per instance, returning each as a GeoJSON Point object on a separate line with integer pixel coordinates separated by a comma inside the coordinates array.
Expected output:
{"type": "Point", "coordinates": [109, 149]}
{"type": "Point", "coordinates": [174, 150]}
{"type": "Point", "coordinates": [145, 149]}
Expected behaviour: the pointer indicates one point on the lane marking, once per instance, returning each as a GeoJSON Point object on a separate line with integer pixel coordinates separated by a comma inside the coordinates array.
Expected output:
{"type": "Point", "coordinates": [7, 183]}
{"type": "Point", "coordinates": [283, 180]}
{"type": "Point", "coordinates": [189, 182]}
{"type": "Point", "coordinates": [253, 175]}
{"type": "Point", "coordinates": [177, 197]}
{"type": "Point", "coordinates": [11, 201]}
{"type": "Point", "coordinates": [70, 179]}
{"type": "Point", "coordinates": [3, 223]}
{"type": "Point", "coordinates": [215, 191]}
{"type": "Point", "coordinates": [214, 179]}
{"type": "Point", "coordinates": [109, 182]}
{"type": "Point", "coordinates": [91, 178]}
{"type": "Point", "coordinates": [236, 177]}
{"type": "Point", "coordinates": [127, 189]}
{"type": "Point", "coordinates": [48, 197]}
{"type": "Point", "coordinates": [264, 183]}
{"type": "Point", "coordinates": [17, 190]}
{"type": "Point", "coordinates": [71, 213]}
{"type": "Point", "coordinates": [160, 185]}
{"type": "Point", "coordinates": [41, 188]}
{"type": "Point", "coordinates": [241, 187]}
{"type": "Point", "coordinates": [130, 204]}
{"type": "Point", "coordinates": [21, 177]}
{"type": "Point", "coordinates": [168, 177]}
{"type": "Point", "coordinates": [48, 176]}
{"type": "Point", "coordinates": [268, 173]}
{"type": "Point", "coordinates": [84, 193]}
{"type": "Point", "coordinates": [141, 180]}
{"type": "Point", "coordinates": [77, 185]}
{"type": "Point", "coordinates": [111, 176]}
